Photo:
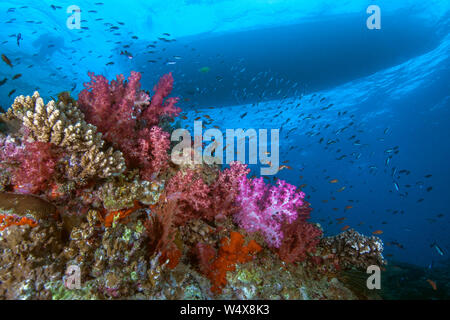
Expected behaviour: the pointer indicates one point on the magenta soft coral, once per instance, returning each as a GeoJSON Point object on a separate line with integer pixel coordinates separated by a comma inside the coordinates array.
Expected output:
{"type": "Point", "coordinates": [128, 118]}
{"type": "Point", "coordinates": [32, 165]}
{"type": "Point", "coordinates": [266, 208]}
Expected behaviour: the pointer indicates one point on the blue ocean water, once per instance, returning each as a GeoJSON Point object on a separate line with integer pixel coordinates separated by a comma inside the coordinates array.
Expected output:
{"type": "Point", "coordinates": [369, 108]}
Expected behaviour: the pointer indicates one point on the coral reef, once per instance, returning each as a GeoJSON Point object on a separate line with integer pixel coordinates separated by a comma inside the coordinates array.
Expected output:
{"type": "Point", "coordinates": [128, 119]}
{"type": "Point", "coordinates": [89, 185]}
{"type": "Point", "coordinates": [63, 126]}
{"type": "Point", "coordinates": [31, 166]}
{"type": "Point", "coordinates": [351, 249]}
{"type": "Point", "coordinates": [265, 208]}
{"type": "Point", "coordinates": [30, 252]}
{"type": "Point", "coordinates": [232, 251]}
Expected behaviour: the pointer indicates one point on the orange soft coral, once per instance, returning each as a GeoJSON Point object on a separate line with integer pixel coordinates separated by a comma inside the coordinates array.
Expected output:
{"type": "Point", "coordinates": [121, 214]}
{"type": "Point", "coordinates": [231, 252]}
{"type": "Point", "coordinates": [6, 221]}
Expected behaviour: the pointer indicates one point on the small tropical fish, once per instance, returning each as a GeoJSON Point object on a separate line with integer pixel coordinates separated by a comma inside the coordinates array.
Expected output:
{"type": "Point", "coordinates": [6, 60]}
{"type": "Point", "coordinates": [334, 181]}
{"type": "Point", "coordinates": [345, 228]}
{"type": "Point", "coordinates": [377, 232]}
{"type": "Point", "coordinates": [19, 37]}
{"type": "Point", "coordinates": [11, 92]}
{"type": "Point", "coordinates": [348, 207]}
{"type": "Point", "coordinates": [2, 82]}
{"type": "Point", "coordinates": [17, 76]}
{"type": "Point", "coordinates": [396, 186]}
{"type": "Point", "coordinates": [127, 54]}
{"type": "Point", "coordinates": [204, 69]}
{"type": "Point", "coordinates": [438, 249]}
{"type": "Point", "coordinates": [432, 284]}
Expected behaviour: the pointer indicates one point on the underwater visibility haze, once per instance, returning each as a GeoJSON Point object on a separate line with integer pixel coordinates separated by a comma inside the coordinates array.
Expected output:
{"type": "Point", "coordinates": [353, 98]}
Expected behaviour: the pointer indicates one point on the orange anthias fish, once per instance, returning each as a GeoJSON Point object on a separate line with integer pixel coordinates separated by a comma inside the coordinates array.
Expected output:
{"type": "Point", "coordinates": [334, 181]}
{"type": "Point", "coordinates": [345, 228]}
{"type": "Point", "coordinates": [432, 284]}
{"type": "Point", "coordinates": [377, 232]}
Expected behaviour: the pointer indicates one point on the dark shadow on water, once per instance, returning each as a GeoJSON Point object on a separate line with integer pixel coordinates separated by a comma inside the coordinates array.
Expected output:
{"type": "Point", "coordinates": [314, 54]}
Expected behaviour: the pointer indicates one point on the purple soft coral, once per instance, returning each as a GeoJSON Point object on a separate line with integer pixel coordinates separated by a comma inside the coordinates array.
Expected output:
{"type": "Point", "coordinates": [266, 208]}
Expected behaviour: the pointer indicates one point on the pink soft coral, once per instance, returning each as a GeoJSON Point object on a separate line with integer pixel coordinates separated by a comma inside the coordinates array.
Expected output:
{"type": "Point", "coordinates": [32, 165]}
{"type": "Point", "coordinates": [128, 118]}
{"type": "Point", "coordinates": [225, 190]}
{"type": "Point", "coordinates": [191, 193]}
{"type": "Point", "coordinates": [202, 201]}
{"type": "Point", "coordinates": [266, 208]}
{"type": "Point", "coordinates": [152, 154]}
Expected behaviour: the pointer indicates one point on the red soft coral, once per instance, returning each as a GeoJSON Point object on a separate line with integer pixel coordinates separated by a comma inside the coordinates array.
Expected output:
{"type": "Point", "coordinates": [152, 156]}
{"type": "Point", "coordinates": [158, 107]}
{"type": "Point", "coordinates": [202, 201]}
{"type": "Point", "coordinates": [191, 193]}
{"type": "Point", "coordinates": [161, 232]}
{"type": "Point", "coordinates": [225, 190]}
{"type": "Point", "coordinates": [32, 165]}
{"type": "Point", "coordinates": [300, 237]}
{"type": "Point", "coordinates": [128, 118]}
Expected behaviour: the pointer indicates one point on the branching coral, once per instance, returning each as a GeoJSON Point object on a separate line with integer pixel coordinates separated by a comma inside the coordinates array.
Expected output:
{"type": "Point", "coordinates": [64, 126]}
{"type": "Point", "coordinates": [128, 118]}
{"type": "Point", "coordinates": [266, 208]}
{"type": "Point", "coordinates": [351, 249]}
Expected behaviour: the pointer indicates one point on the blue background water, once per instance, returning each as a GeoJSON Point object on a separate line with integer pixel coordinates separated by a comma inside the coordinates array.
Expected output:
{"type": "Point", "coordinates": [389, 88]}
